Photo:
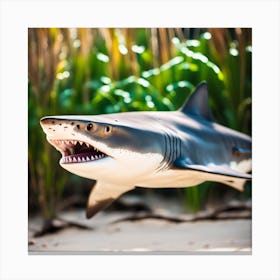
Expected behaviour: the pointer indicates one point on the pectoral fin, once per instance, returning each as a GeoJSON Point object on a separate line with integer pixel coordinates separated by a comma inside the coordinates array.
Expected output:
{"type": "Point", "coordinates": [217, 173]}
{"type": "Point", "coordinates": [102, 195]}
{"type": "Point", "coordinates": [223, 170]}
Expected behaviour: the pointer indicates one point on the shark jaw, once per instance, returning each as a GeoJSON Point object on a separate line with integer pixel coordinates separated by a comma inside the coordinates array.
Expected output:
{"type": "Point", "coordinates": [86, 160]}
{"type": "Point", "coordinates": [83, 158]}
{"type": "Point", "coordinates": [77, 152]}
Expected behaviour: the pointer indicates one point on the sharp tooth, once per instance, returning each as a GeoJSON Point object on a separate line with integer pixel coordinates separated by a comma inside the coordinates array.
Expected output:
{"type": "Point", "coordinates": [79, 160]}
{"type": "Point", "coordinates": [88, 159]}
{"type": "Point", "coordinates": [88, 145]}
{"type": "Point", "coordinates": [64, 160]}
{"type": "Point", "coordinates": [81, 143]}
{"type": "Point", "coordinates": [70, 160]}
{"type": "Point", "coordinates": [83, 159]}
{"type": "Point", "coordinates": [96, 157]}
{"type": "Point", "coordinates": [74, 159]}
{"type": "Point", "coordinates": [92, 157]}
{"type": "Point", "coordinates": [74, 142]}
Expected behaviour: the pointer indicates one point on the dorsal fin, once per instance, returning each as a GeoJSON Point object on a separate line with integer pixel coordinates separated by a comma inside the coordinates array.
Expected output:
{"type": "Point", "coordinates": [197, 103]}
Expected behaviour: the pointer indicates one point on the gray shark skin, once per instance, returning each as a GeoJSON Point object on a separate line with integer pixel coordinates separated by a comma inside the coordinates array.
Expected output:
{"type": "Point", "coordinates": [120, 151]}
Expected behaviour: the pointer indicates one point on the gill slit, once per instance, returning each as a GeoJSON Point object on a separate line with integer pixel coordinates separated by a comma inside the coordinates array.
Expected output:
{"type": "Point", "coordinates": [172, 150]}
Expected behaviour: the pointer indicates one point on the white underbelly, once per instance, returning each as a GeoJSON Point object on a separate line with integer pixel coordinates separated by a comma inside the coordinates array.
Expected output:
{"type": "Point", "coordinates": [172, 178]}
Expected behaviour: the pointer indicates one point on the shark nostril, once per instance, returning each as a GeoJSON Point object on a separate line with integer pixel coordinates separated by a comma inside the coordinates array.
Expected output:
{"type": "Point", "coordinates": [78, 126]}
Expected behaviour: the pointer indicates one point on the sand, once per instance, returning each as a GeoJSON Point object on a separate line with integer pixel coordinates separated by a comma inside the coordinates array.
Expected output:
{"type": "Point", "coordinates": [106, 236]}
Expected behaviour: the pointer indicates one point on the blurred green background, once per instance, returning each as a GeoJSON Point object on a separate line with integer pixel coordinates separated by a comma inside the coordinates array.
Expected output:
{"type": "Point", "coordinates": [94, 71]}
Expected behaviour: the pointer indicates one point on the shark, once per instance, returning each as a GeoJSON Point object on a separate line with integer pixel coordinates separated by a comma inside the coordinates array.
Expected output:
{"type": "Point", "coordinates": [152, 149]}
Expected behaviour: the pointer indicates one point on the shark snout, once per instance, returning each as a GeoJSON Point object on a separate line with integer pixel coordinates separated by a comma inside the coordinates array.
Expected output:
{"type": "Point", "coordinates": [53, 124]}
{"type": "Point", "coordinates": [51, 121]}
{"type": "Point", "coordinates": [61, 128]}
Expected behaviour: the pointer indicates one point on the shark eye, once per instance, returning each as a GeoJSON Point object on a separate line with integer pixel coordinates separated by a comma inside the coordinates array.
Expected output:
{"type": "Point", "coordinates": [89, 126]}
{"type": "Point", "coordinates": [108, 129]}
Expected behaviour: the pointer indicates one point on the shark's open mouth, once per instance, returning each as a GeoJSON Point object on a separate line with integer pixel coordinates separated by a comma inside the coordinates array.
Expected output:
{"type": "Point", "coordinates": [77, 151]}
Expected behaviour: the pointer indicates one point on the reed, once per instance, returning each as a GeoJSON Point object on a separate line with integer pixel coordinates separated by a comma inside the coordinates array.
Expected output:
{"type": "Point", "coordinates": [93, 71]}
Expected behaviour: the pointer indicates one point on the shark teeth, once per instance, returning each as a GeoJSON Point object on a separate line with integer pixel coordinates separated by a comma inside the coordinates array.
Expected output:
{"type": "Point", "coordinates": [76, 151]}
{"type": "Point", "coordinates": [81, 159]}
{"type": "Point", "coordinates": [69, 142]}
{"type": "Point", "coordinates": [61, 143]}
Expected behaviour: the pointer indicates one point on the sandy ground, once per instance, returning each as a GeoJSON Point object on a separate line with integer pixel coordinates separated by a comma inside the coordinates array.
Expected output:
{"type": "Point", "coordinates": [104, 235]}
